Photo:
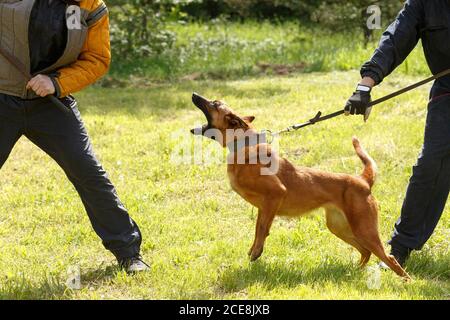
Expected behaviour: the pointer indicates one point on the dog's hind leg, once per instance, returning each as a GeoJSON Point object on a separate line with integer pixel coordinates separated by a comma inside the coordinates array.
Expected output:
{"type": "Point", "coordinates": [337, 223]}
{"type": "Point", "coordinates": [363, 220]}
{"type": "Point", "coordinates": [372, 242]}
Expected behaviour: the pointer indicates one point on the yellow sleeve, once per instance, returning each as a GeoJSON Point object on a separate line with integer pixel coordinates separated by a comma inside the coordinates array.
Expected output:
{"type": "Point", "coordinates": [93, 61]}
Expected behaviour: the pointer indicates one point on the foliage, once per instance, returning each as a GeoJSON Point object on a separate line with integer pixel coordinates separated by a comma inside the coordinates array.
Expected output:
{"type": "Point", "coordinates": [230, 50]}
{"type": "Point", "coordinates": [338, 15]}
{"type": "Point", "coordinates": [308, 10]}
{"type": "Point", "coordinates": [138, 29]}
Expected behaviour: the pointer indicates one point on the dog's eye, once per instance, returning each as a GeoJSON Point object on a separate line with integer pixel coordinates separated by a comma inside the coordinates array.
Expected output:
{"type": "Point", "coordinates": [216, 104]}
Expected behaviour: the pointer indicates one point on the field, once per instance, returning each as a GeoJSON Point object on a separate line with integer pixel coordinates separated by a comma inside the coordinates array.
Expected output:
{"type": "Point", "coordinates": [196, 230]}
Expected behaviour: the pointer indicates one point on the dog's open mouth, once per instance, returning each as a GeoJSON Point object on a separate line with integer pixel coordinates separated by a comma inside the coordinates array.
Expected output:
{"type": "Point", "coordinates": [203, 104]}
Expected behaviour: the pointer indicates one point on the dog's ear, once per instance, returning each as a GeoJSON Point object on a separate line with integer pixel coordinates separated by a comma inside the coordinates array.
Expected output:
{"type": "Point", "coordinates": [248, 119]}
{"type": "Point", "coordinates": [235, 122]}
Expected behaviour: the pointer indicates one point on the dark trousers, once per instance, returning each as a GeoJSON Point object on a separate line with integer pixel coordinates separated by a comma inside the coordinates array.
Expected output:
{"type": "Point", "coordinates": [64, 138]}
{"type": "Point", "coordinates": [430, 183]}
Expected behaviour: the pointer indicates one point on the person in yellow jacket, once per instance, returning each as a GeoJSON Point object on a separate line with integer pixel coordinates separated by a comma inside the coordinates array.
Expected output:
{"type": "Point", "coordinates": [64, 45]}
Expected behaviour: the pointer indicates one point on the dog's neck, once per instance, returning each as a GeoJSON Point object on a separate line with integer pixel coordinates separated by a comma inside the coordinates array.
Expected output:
{"type": "Point", "coordinates": [249, 139]}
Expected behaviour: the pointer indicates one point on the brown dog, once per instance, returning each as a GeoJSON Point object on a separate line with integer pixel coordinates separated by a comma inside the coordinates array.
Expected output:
{"type": "Point", "coordinates": [351, 210]}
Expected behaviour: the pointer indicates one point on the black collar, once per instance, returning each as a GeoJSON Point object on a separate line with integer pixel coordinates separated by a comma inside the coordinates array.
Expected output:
{"type": "Point", "coordinates": [247, 141]}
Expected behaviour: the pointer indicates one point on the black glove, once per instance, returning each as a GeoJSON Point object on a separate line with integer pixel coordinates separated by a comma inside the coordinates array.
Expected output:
{"type": "Point", "coordinates": [359, 101]}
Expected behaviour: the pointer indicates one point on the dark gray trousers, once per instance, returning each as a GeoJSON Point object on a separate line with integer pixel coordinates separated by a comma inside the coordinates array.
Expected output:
{"type": "Point", "coordinates": [64, 138]}
{"type": "Point", "coordinates": [430, 183]}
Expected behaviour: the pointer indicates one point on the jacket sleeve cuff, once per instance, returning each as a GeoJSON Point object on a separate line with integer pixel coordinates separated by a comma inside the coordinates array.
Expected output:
{"type": "Point", "coordinates": [373, 70]}
{"type": "Point", "coordinates": [57, 87]}
{"type": "Point", "coordinates": [373, 75]}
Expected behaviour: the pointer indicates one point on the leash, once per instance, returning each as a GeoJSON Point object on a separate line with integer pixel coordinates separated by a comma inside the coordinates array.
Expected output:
{"type": "Point", "coordinates": [22, 69]}
{"type": "Point", "coordinates": [320, 118]}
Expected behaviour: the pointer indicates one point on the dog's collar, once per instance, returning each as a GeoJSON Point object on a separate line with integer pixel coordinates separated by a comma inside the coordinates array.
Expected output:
{"type": "Point", "coordinates": [247, 141]}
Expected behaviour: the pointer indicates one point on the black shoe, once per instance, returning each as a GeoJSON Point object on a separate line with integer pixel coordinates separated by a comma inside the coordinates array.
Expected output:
{"type": "Point", "coordinates": [133, 265]}
{"type": "Point", "coordinates": [401, 255]}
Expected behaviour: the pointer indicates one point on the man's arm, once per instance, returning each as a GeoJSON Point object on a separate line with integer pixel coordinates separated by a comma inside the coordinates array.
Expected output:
{"type": "Point", "coordinates": [396, 44]}
{"type": "Point", "coordinates": [94, 59]}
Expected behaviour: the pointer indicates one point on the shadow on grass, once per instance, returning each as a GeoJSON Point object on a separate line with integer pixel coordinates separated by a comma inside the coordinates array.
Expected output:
{"type": "Point", "coordinates": [92, 277]}
{"type": "Point", "coordinates": [425, 265]}
{"type": "Point", "coordinates": [434, 270]}
{"type": "Point", "coordinates": [273, 276]}
{"type": "Point", "coordinates": [20, 288]}
{"type": "Point", "coordinates": [51, 287]}
{"type": "Point", "coordinates": [276, 275]}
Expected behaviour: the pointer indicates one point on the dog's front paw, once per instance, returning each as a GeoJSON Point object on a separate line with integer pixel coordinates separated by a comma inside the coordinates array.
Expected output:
{"type": "Point", "coordinates": [255, 254]}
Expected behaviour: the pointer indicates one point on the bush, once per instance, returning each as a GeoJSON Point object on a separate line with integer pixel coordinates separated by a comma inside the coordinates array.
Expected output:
{"type": "Point", "coordinates": [338, 15]}
{"type": "Point", "coordinates": [138, 29]}
{"type": "Point", "coordinates": [329, 12]}
{"type": "Point", "coordinates": [238, 9]}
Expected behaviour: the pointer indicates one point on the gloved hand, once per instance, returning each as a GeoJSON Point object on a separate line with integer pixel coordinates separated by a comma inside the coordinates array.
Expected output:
{"type": "Point", "coordinates": [359, 102]}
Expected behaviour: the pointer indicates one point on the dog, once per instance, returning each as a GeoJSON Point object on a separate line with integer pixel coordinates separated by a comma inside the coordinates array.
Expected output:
{"type": "Point", "coordinates": [351, 210]}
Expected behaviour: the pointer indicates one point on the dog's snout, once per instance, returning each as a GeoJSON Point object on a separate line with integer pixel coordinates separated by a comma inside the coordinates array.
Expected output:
{"type": "Point", "coordinates": [200, 131]}
{"type": "Point", "coordinates": [198, 100]}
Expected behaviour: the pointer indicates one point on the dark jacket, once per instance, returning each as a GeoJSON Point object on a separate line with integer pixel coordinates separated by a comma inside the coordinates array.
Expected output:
{"type": "Point", "coordinates": [428, 20]}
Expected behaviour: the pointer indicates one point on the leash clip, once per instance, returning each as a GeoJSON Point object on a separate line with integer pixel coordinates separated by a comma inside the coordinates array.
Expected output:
{"type": "Point", "coordinates": [270, 136]}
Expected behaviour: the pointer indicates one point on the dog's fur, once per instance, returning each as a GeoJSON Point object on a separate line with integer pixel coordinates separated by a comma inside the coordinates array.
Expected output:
{"type": "Point", "coordinates": [351, 210]}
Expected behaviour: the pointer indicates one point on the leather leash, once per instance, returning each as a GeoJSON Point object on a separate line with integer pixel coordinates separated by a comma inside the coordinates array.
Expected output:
{"type": "Point", "coordinates": [22, 69]}
{"type": "Point", "coordinates": [320, 118]}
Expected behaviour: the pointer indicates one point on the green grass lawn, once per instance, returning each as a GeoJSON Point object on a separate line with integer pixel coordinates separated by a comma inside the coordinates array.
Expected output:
{"type": "Point", "coordinates": [196, 229]}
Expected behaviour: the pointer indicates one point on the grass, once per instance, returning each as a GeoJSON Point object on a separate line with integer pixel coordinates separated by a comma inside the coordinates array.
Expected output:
{"type": "Point", "coordinates": [232, 50]}
{"type": "Point", "coordinates": [196, 230]}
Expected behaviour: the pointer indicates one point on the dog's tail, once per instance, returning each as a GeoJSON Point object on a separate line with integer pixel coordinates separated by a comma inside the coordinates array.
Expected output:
{"type": "Point", "coordinates": [370, 167]}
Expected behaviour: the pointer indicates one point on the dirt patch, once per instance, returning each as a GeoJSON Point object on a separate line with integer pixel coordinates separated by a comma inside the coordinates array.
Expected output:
{"type": "Point", "coordinates": [281, 69]}
{"type": "Point", "coordinates": [260, 68]}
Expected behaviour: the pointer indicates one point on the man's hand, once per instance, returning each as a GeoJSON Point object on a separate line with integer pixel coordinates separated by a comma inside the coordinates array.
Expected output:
{"type": "Point", "coordinates": [359, 101]}
{"type": "Point", "coordinates": [42, 85]}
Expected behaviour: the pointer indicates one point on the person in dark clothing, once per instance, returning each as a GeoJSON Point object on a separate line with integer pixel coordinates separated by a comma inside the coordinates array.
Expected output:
{"type": "Point", "coordinates": [429, 185]}
{"type": "Point", "coordinates": [65, 46]}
